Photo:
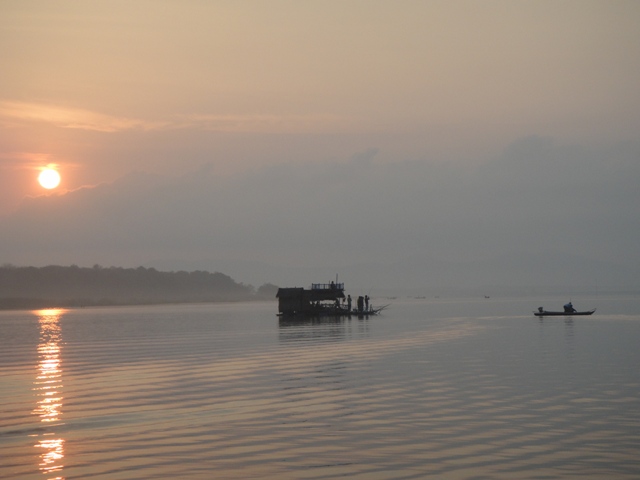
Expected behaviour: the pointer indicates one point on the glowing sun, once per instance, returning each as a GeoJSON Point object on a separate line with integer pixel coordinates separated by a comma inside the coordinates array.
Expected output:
{"type": "Point", "coordinates": [49, 178]}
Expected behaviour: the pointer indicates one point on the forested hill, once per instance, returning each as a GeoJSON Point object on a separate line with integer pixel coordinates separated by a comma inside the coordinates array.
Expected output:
{"type": "Point", "coordinates": [59, 286]}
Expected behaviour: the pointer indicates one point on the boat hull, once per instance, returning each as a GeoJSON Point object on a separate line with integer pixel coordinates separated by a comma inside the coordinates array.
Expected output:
{"type": "Point", "coordinates": [334, 312]}
{"type": "Point", "coordinates": [562, 314]}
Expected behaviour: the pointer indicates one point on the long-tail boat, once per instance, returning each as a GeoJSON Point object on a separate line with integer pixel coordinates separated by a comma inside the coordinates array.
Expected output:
{"type": "Point", "coordinates": [545, 313]}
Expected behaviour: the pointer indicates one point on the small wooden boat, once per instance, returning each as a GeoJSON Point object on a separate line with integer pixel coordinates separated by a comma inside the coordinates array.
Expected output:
{"type": "Point", "coordinates": [545, 313]}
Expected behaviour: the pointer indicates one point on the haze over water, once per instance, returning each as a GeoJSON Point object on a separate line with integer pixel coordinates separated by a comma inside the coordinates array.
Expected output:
{"type": "Point", "coordinates": [433, 388]}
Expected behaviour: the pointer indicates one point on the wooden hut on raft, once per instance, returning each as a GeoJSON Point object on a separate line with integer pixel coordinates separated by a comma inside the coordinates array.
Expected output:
{"type": "Point", "coordinates": [320, 299]}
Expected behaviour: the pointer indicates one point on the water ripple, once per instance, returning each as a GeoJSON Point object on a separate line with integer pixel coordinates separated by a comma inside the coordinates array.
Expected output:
{"type": "Point", "coordinates": [232, 395]}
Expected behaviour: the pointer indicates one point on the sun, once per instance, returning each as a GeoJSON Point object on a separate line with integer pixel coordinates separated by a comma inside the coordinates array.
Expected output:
{"type": "Point", "coordinates": [49, 178]}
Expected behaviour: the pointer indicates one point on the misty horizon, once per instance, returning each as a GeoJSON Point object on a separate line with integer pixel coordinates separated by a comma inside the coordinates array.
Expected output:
{"type": "Point", "coordinates": [539, 214]}
{"type": "Point", "coordinates": [417, 146]}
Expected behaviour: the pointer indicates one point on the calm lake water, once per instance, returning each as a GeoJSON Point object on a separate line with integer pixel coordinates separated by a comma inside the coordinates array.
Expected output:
{"type": "Point", "coordinates": [433, 388]}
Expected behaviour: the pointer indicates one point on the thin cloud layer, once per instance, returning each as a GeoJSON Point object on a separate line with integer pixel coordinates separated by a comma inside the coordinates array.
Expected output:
{"type": "Point", "coordinates": [538, 200]}
{"type": "Point", "coordinates": [75, 118]}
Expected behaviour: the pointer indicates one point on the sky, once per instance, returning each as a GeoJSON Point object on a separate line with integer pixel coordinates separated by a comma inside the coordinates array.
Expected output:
{"type": "Point", "coordinates": [400, 144]}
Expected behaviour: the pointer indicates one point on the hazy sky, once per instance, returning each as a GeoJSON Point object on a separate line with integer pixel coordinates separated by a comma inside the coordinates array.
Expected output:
{"type": "Point", "coordinates": [255, 136]}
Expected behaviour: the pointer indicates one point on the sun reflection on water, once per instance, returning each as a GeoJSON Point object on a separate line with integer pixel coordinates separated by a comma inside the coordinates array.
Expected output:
{"type": "Point", "coordinates": [48, 389]}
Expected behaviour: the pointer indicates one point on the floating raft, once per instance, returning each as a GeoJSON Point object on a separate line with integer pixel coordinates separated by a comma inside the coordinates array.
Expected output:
{"type": "Point", "coordinates": [334, 312]}
{"type": "Point", "coordinates": [321, 300]}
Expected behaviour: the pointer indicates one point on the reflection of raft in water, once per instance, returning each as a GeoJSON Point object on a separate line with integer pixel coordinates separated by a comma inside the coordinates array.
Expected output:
{"type": "Point", "coordinates": [321, 300]}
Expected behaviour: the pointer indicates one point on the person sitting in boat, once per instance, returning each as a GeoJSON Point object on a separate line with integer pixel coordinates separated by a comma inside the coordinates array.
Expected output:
{"type": "Point", "coordinates": [568, 308]}
{"type": "Point", "coordinates": [540, 309]}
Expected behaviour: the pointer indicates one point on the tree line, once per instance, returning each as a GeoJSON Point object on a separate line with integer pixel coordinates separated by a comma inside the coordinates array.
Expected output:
{"type": "Point", "coordinates": [73, 286]}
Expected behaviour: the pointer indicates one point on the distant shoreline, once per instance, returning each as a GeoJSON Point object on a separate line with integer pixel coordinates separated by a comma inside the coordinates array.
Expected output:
{"type": "Point", "coordinates": [31, 288]}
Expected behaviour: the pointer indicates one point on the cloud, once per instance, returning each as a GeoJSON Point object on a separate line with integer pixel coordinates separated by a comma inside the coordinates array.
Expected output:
{"type": "Point", "coordinates": [24, 160]}
{"type": "Point", "coordinates": [81, 119]}
{"type": "Point", "coordinates": [537, 200]}
{"type": "Point", "coordinates": [74, 118]}
{"type": "Point", "coordinates": [317, 123]}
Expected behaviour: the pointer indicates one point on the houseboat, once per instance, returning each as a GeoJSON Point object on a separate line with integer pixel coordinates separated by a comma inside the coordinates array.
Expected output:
{"type": "Point", "coordinates": [322, 299]}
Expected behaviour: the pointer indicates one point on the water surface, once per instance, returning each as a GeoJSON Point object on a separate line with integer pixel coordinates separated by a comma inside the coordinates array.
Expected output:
{"type": "Point", "coordinates": [433, 388]}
